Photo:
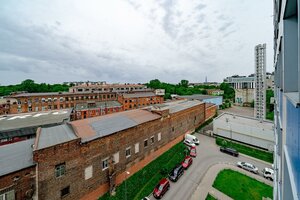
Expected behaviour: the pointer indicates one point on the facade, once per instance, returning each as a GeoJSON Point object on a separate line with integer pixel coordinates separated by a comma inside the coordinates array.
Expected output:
{"type": "Point", "coordinates": [270, 81]}
{"type": "Point", "coordinates": [214, 92]}
{"type": "Point", "coordinates": [260, 82]}
{"type": "Point", "coordinates": [287, 103]}
{"type": "Point", "coordinates": [139, 99]}
{"type": "Point", "coordinates": [17, 171]}
{"type": "Point", "coordinates": [210, 111]}
{"type": "Point", "coordinates": [247, 130]}
{"type": "Point", "coordinates": [217, 100]}
{"type": "Point", "coordinates": [95, 153]}
{"type": "Point", "coordinates": [109, 88]}
{"type": "Point", "coordinates": [244, 88]}
{"type": "Point", "coordinates": [15, 128]}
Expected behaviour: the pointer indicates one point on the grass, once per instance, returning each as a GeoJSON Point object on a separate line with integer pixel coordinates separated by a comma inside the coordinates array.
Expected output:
{"type": "Point", "coordinates": [209, 197]}
{"type": "Point", "coordinates": [143, 182]}
{"type": "Point", "coordinates": [239, 186]}
{"type": "Point", "coordinates": [253, 152]}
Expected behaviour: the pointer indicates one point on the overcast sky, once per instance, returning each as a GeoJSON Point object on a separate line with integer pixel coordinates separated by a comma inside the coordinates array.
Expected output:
{"type": "Point", "coordinates": [131, 41]}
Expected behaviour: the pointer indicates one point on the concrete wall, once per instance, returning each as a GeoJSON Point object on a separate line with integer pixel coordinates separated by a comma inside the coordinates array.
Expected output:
{"type": "Point", "coordinates": [244, 96]}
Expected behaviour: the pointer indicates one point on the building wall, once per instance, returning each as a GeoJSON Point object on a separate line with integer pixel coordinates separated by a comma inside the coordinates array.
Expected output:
{"type": "Point", "coordinates": [20, 183]}
{"type": "Point", "coordinates": [243, 96]}
{"type": "Point", "coordinates": [217, 100]}
{"type": "Point", "coordinates": [210, 112]}
{"type": "Point", "coordinates": [78, 157]}
{"type": "Point", "coordinates": [94, 112]}
{"type": "Point", "coordinates": [133, 103]}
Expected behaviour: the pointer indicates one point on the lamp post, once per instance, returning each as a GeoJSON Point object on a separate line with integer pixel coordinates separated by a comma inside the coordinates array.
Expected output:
{"type": "Point", "coordinates": [126, 173]}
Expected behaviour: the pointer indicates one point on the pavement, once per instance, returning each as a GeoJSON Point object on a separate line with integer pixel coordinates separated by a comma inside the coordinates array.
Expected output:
{"type": "Point", "coordinates": [239, 110]}
{"type": "Point", "coordinates": [192, 184]}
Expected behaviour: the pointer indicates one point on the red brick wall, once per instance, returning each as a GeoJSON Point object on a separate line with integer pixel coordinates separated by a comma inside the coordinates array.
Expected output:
{"type": "Point", "coordinates": [210, 112]}
{"type": "Point", "coordinates": [22, 182]}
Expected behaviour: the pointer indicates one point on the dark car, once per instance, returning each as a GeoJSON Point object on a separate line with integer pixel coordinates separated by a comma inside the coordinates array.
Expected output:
{"type": "Point", "coordinates": [176, 173]}
{"type": "Point", "coordinates": [161, 188]}
{"type": "Point", "coordinates": [229, 151]}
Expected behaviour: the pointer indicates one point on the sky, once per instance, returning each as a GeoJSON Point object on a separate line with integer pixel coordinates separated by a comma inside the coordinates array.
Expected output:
{"type": "Point", "coordinates": [131, 41]}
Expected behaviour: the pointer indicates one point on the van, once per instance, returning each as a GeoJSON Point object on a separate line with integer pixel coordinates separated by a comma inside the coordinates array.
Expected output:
{"type": "Point", "coordinates": [192, 139]}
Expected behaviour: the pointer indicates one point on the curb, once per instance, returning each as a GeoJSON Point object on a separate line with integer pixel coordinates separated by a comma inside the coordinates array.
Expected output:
{"type": "Point", "coordinates": [256, 159]}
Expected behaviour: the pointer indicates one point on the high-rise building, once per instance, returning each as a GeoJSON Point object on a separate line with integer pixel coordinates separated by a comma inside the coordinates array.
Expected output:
{"type": "Point", "coordinates": [260, 82]}
{"type": "Point", "coordinates": [287, 99]}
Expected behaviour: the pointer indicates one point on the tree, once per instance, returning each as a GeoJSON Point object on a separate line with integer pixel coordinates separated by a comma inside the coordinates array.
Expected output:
{"type": "Point", "coordinates": [184, 83]}
{"type": "Point", "coordinates": [229, 92]}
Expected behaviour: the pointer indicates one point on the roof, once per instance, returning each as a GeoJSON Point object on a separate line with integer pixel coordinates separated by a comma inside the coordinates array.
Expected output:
{"type": "Point", "coordinates": [245, 120]}
{"type": "Point", "coordinates": [16, 156]}
{"type": "Point", "coordinates": [57, 93]}
{"type": "Point", "coordinates": [104, 104]}
{"type": "Point", "coordinates": [97, 127]}
{"type": "Point", "coordinates": [139, 94]}
{"type": "Point", "coordinates": [176, 106]}
{"type": "Point", "coordinates": [55, 135]}
{"type": "Point", "coordinates": [200, 97]}
{"type": "Point", "coordinates": [207, 105]}
{"type": "Point", "coordinates": [108, 86]}
{"type": "Point", "coordinates": [33, 119]}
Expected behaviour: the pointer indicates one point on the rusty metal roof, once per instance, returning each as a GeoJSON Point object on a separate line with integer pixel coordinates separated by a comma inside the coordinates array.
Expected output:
{"type": "Point", "coordinates": [92, 128]}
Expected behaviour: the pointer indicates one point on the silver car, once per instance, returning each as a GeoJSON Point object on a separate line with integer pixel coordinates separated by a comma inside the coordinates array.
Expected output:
{"type": "Point", "coordinates": [248, 166]}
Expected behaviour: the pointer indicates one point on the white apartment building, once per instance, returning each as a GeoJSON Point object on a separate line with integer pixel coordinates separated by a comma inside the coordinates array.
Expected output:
{"type": "Point", "coordinates": [260, 82]}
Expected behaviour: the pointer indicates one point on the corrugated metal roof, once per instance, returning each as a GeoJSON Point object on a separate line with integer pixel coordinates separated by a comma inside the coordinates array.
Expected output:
{"type": "Point", "coordinates": [16, 156]}
{"type": "Point", "coordinates": [199, 97]}
{"type": "Point", "coordinates": [33, 119]}
{"type": "Point", "coordinates": [92, 128]}
{"type": "Point", "coordinates": [55, 135]}
{"type": "Point", "coordinates": [176, 106]}
{"type": "Point", "coordinates": [139, 94]}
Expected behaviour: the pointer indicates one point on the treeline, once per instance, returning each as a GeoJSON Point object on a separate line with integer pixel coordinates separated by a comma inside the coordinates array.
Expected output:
{"type": "Point", "coordinates": [30, 86]}
{"type": "Point", "coordinates": [182, 88]}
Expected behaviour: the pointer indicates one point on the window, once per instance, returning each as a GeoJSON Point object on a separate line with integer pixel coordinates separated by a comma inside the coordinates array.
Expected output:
{"type": "Point", "coordinates": [10, 195]}
{"type": "Point", "coordinates": [158, 136]}
{"type": "Point", "coordinates": [173, 129]}
{"type": "Point", "coordinates": [152, 140]}
{"type": "Point", "coordinates": [136, 147]}
{"type": "Point", "coordinates": [104, 164]}
{"type": "Point", "coordinates": [145, 143]}
{"type": "Point", "coordinates": [36, 109]}
{"type": "Point", "coordinates": [60, 170]}
{"type": "Point", "coordinates": [128, 152]}
{"type": "Point", "coordinates": [64, 192]}
{"type": "Point", "coordinates": [88, 172]}
{"type": "Point", "coordinates": [116, 157]}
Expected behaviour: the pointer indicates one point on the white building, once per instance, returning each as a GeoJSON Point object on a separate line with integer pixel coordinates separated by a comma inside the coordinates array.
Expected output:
{"type": "Point", "coordinates": [287, 99]}
{"type": "Point", "coordinates": [260, 82]}
{"type": "Point", "coordinates": [244, 129]}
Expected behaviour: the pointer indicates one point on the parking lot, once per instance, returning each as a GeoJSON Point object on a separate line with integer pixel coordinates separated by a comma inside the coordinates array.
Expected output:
{"type": "Point", "coordinates": [208, 154]}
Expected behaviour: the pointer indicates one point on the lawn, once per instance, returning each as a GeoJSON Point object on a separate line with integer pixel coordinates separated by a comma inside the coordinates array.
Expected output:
{"type": "Point", "coordinates": [253, 152]}
{"type": "Point", "coordinates": [209, 197]}
{"type": "Point", "coordinates": [239, 186]}
{"type": "Point", "coordinates": [143, 182]}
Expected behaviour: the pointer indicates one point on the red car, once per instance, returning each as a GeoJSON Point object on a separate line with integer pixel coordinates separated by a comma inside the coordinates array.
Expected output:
{"type": "Point", "coordinates": [193, 152]}
{"type": "Point", "coordinates": [161, 188]}
{"type": "Point", "coordinates": [187, 162]}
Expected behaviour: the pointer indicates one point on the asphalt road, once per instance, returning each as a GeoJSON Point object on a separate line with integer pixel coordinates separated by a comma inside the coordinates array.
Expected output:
{"type": "Point", "coordinates": [208, 154]}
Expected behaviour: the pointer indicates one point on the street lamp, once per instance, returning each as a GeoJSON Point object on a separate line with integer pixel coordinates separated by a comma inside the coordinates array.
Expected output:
{"type": "Point", "coordinates": [126, 173]}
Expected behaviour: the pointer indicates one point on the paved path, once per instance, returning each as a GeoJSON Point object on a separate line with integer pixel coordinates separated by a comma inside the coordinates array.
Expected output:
{"type": "Point", "coordinates": [205, 186]}
{"type": "Point", "coordinates": [239, 110]}
{"type": "Point", "coordinates": [208, 155]}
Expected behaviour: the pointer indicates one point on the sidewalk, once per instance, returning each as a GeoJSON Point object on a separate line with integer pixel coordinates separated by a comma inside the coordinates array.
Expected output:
{"type": "Point", "coordinates": [205, 185]}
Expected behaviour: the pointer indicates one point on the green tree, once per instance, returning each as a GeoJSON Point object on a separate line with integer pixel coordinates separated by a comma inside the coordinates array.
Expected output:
{"type": "Point", "coordinates": [184, 83]}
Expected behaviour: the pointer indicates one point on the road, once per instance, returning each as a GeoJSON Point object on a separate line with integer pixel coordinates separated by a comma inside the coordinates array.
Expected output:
{"type": "Point", "coordinates": [208, 154]}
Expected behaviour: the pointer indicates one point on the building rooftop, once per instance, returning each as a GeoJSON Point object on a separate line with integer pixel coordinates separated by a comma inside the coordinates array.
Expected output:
{"type": "Point", "coordinates": [93, 128]}
{"type": "Point", "coordinates": [16, 156]}
{"type": "Point", "coordinates": [245, 120]}
{"type": "Point", "coordinates": [54, 135]}
{"type": "Point", "coordinates": [33, 119]}
{"type": "Point", "coordinates": [139, 94]}
{"type": "Point", "coordinates": [104, 104]}
{"type": "Point", "coordinates": [108, 85]}
{"type": "Point", "coordinates": [199, 97]}
{"type": "Point", "coordinates": [56, 93]}
{"type": "Point", "coordinates": [176, 106]}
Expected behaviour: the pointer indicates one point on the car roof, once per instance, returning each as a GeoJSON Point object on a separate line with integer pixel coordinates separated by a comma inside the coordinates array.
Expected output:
{"type": "Point", "coordinates": [163, 181]}
{"type": "Point", "coordinates": [269, 170]}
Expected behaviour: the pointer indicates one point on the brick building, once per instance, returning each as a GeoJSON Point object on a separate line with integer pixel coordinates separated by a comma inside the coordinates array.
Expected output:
{"type": "Point", "coordinates": [94, 153]}
{"type": "Point", "coordinates": [210, 111]}
{"type": "Point", "coordinates": [17, 171]}
{"type": "Point", "coordinates": [139, 99]}
{"type": "Point", "coordinates": [109, 88]}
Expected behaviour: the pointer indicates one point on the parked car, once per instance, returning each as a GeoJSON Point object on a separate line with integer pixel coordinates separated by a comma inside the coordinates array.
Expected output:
{"type": "Point", "coordinates": [192, 138]}
{"type": "Point", "coordinates": [248, 166]}
{"type": "Point", "coordinates": [229, 151]}
{"type": "Point", "coordinates": [176, 173]}
{"type": "Point", "coordinates": [189, 143]}
{"type": "Point", "coordinates": [193, 152]}
{"type": "Point", "coordinates": [162, 187]}
{"type": "Point", "coordinates": [187, 162]}
{"type": "Point", "coordinates": [268, 173]}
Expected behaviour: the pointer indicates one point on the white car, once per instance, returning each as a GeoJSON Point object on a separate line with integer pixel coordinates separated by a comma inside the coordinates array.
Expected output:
{"type": "Point", "coordinates": [248, 166]}
{"type": "Point", "coordinates": [189, 143]}
{"type": "Point", "coordinates": [268, 173]}
{"type": "Point", "coordinates": [192, 138]}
